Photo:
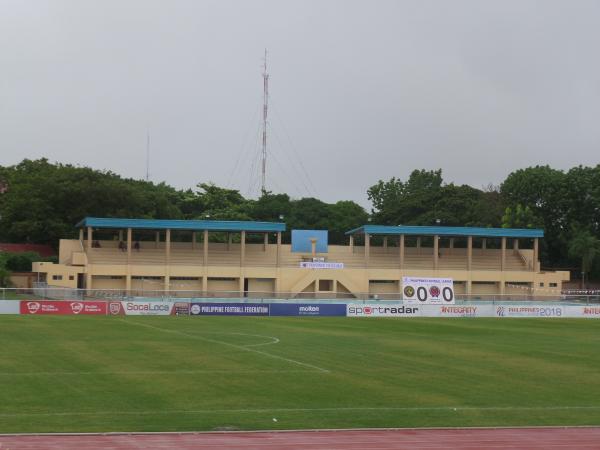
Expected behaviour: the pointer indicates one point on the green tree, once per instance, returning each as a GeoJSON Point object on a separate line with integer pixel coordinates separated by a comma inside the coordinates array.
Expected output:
{"type": "Point", "coordinates": [586, 247]}
{"type": "Point", "coordinates": [519, 217]}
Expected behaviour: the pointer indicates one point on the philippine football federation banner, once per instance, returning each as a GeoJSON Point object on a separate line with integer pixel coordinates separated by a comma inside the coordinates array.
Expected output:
{"type": "Point", "coordinates": [428, 291]}
{"type": "Point", "coordinates": [229, 309]}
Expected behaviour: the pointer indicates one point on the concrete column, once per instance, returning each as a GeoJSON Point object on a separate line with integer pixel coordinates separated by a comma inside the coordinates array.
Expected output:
{"type": "Point", "coordinates": [241, 285]}
{"type": "Point", "coordinates": [120, 235]}
{"type": "Point", "coordinates": [536, 255]}
{"type": "Point", "coordinates": [193, 240]}
{"type": "Point", "coordinates": [128, 246]}
{"type": "Point", "coordinates": [278, 248]}
{"type": "Point", "coordinates": [483, 244]}
{"type": "Point", "coordinates": [351, 244]}
{"type": "Point", "coordinates": [157, 240]}
{"type": "Point", "coordinates": [205, 248]}
{"type": "Point", "coordinates": [419, 245]}
{"type": "Point", "coordinates": [167, 260]}
{"type": "Point", "coordinates": [168, 247]}
{"type": "Point", "coordinates": [515, 244]}
{"type": "Point", "coordinates": [229, 241]}
{"type": "Point", "coordinates": [367, 248]}
{"type": "Point", "coordinates": [468, 287]}
{"type": "Point", "coordinates": [266, 242]}
{"type": "Point", "coordinates": [451, 246]}
{"type": "Point", "coordinates": [503, 255]}
{"type": "Point", "coordinates": [128, 283]}
{"type": "Point", "coordinates": [81, 235]}
{"type": "Point", "coordinates": [89, 237]}
{"type": "Point", "coordinates": [385, 244]}
{"type": "Point", "coordinates": [242, 248]}
{"type": "Point", "coordinates": [88, 281]}
{"type": "Point", "coordinates": [436, 249]}
{"type": "Point", "coordinates": [313, 247]}
{"type": "Point", "coordinates": [204, 283]}
{"type": "Point", "coordinates": [469, 253]}
{"type": "Point", "coordinates": [502, 287]}
{"type": "Point", "coordinates": [401, 252]}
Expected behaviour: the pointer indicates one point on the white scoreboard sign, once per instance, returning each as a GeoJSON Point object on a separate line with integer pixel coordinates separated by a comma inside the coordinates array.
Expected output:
{"type": "Point", "coordinates": [428, 291]}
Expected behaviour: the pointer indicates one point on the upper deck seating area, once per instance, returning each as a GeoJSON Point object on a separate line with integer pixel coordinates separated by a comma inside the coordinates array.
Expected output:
{"type": "Point", "coordinates": [255, 256]}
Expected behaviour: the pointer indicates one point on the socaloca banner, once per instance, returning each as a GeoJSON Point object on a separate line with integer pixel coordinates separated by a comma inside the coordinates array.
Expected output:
{"type": "Point", "coordinates": [62, 307]}
{"type": "Point", "coordinates": [428, 291]}
{"type": "Point", "coordinates": [229, 309]}
{"type": "Point", "coordinates": [308, 309]}
{"type": "Point", "coordinates": [137, 308]}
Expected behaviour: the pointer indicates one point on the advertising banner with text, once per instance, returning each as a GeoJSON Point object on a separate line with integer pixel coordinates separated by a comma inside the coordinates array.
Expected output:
{"type": "Point", "coordinates": [62, 307]}
{"type": "Point", "coordinates": [381, 310]}
{"type": "Point", "coordinates": [533, 310]}
{"type": "Point", "coordinates": [229, 309]}
{"type": "Point", "coordinates": [428, 291]}
{"type": "Point", "coordinates": [308, 309]}
{"type": "Point", "coordinates": [136, 308]}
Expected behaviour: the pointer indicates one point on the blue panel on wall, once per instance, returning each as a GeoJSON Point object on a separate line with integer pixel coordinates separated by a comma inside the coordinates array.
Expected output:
{"type": "Point", "coordinates": [301, 240]}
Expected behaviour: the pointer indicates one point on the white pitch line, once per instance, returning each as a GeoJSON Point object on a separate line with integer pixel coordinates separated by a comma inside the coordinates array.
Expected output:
{"type": "Point", "coordinates": [284, 410]}
{"type": "Point", "coordinates": [150, 372]}
{"type": "Point", "coordinates": [240, 347]}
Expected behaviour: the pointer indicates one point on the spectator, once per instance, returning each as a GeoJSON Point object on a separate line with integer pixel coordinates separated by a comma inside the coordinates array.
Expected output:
{"type": "Point", "coordinates": [122, 246]}
{"type": "Point", "coordinates": [136, 246]}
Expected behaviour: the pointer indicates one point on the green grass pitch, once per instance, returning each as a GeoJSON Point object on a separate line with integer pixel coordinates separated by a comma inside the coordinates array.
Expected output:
{"type": "Point", "coordinates": [97, 374]}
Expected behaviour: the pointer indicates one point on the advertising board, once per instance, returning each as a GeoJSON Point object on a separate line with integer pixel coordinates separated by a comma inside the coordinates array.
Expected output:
{"type": "Point", "coordinates": [457, 310]}
{"type": "Point", "coordinates": [321, 265]}
{"type": "Point", "coordinates": [583, 311]}
{"type": "Point", "coordinates": [533, 310]}
{"type": "Point", "coordinates": [62, 307]}
{"type": "Point", "coordinates": [307, 309]}
{"type": "Point", "coordinates": [229, 309]}
{"type": "Point", "coordinates": [137, 308]}
{"type": "Point", "coordinates": [380, 310]}
{"type": "Point", "coordinates": [9, 306]}
{"type": "Point", "coordinates": [428, 291]}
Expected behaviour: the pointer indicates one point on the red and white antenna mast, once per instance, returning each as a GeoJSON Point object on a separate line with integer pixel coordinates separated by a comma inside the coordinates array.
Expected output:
{"type": "Point", "coordinates": [264, 131]}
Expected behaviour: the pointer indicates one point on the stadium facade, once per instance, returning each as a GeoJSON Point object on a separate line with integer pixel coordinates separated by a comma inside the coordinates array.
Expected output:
{"type": "Point", "coordinates": [239, 258]}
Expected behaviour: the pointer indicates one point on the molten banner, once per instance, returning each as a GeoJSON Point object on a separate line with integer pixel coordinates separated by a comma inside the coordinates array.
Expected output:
{"type": "Point", "coordinates": [428, 291]}
{"type": "Point", "coordinates": [62, 307]}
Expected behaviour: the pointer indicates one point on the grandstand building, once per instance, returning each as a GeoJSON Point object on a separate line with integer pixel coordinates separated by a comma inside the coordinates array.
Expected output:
{"type": "Point", "coordinates": [233, 258]}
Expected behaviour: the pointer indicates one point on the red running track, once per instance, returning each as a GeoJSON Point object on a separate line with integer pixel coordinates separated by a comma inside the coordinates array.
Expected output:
{"type": "Point", "coordinates": [425, 439]}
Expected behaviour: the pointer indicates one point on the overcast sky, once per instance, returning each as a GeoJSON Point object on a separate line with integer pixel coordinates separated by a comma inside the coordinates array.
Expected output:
{"type": "Point", "coordinates": [359, 90]}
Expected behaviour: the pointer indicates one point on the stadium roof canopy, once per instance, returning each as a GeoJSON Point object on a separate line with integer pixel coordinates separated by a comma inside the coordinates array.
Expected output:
{"type": "Point", "coordinates": [192, 225]}
{"type": "Point", "coordinates": [447, 231]}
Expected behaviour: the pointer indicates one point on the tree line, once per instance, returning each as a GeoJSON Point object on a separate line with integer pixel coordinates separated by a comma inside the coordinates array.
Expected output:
{"type": "Point", "coordinates": [40, 202]}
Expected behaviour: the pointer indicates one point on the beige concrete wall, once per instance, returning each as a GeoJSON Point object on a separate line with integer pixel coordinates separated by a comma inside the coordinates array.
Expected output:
{"type": "Point", "coordinates": [223, 285]}
{"type": "Point", "coordinates": [99, 282]}
{"type": "Point", "coordinates": [484, 288]}
{"type": "Point", "coordinates": [261, 285]}
{"type": "Point", "coordinates": [22, 280]}
{"type": "Point", "coordinates": [384, 288]}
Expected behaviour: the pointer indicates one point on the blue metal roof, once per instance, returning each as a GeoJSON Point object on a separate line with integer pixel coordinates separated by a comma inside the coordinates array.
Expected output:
{"type": "Point", "coordinates": [448, 231]}
{"type": "Point", "coordinates": [159, 224]}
